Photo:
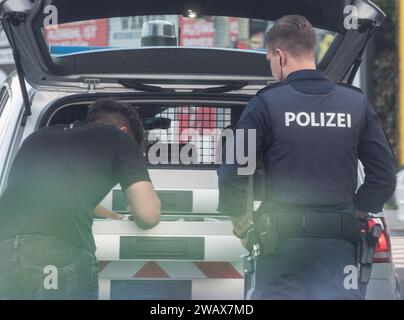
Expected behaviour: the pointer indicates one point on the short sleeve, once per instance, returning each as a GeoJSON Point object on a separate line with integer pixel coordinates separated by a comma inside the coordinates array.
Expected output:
{"type": "Point", "coordinates": [129, 163]}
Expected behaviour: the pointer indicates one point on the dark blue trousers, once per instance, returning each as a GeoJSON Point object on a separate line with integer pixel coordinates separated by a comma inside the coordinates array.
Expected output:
{"type": "Point", "coordinates": [307, 269]}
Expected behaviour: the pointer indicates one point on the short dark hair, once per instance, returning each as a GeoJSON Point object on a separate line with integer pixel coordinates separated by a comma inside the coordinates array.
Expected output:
{"type": "Point", "coordinates": [294, 34]}
{"type": "Point", "coordinates": [118, 114]}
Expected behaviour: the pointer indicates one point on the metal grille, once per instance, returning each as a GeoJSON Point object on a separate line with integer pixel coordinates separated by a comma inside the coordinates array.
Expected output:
{"type": "Point", "coordinates": [199, 127]}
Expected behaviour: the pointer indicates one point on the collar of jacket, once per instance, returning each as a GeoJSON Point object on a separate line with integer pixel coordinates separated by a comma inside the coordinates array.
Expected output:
{"type": "Point", "coordinates": [306, 75]}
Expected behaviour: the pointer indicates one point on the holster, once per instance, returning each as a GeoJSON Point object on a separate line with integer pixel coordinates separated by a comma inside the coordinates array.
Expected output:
{"type": "Point", "coordinates": [367, 249]}
{"type": "Point", "coordinates": [267, 230]}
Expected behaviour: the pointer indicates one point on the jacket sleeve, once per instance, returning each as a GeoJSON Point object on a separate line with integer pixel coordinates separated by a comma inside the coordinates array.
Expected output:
{"type": "Point", "coordinates": [233, 185]}
{"type": "Point", "coordinates": [377, 158]}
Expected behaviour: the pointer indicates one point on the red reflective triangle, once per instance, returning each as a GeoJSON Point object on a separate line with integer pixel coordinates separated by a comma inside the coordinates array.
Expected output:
{"type": "Point", "coordinates": [151, 270]}
{"type": "Point", "coordinates": [102, 265]}
{"type": "Point", "coordinates": [218, 270]}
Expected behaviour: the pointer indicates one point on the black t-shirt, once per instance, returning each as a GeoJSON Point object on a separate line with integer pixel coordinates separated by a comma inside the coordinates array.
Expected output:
{"type": "Point", "coordinates": [61, 174]}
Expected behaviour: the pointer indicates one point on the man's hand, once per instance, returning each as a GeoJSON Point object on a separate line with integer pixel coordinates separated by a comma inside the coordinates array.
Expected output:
{"type": "Point", "coordinates": [244, 243]}
{"type": "Point", "coordinates": [241, 225]}
{"type": "Point", "coordinates": [103, 212]}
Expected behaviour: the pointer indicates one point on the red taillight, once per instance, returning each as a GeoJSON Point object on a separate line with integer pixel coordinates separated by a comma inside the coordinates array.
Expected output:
{"type": "Point", "coordinates": [383, 247]}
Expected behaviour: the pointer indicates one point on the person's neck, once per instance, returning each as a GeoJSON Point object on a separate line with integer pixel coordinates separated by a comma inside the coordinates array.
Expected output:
{"type": "Point", "coordinates": [300, 67]}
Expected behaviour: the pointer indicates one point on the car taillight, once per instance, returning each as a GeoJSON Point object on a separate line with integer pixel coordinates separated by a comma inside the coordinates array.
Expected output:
{"type": "Point", "coordinates": [383, 247]}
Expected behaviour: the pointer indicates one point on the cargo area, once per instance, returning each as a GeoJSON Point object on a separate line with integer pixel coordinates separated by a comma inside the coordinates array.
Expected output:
{"type": "Point", "coordinates": [193, 251]}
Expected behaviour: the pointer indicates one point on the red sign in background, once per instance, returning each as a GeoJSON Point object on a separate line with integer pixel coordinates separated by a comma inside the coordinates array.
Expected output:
{"type": "Point", "coordinates": [84, 33]}
{"type": "Point", "coordinates": [197, 32]}
{"type": "Point", "coordinates": [201, 33]}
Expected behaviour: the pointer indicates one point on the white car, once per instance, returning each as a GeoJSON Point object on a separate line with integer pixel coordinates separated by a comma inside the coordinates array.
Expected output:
{"type": "Point", "coordinates": [187, 66]}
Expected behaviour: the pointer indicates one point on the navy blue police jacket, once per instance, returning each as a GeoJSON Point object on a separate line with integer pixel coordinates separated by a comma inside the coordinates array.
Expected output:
{"type": "Point", "coordinates": [311, 133]}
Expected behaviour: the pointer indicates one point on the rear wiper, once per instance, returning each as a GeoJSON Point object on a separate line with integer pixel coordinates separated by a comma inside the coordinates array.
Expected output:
{"type": "Point", "coordinates": [226, 88]}
{"type": "Point", "coordinates": [144, 87]}
{"type": "Point", "coordinates": [133, 84]}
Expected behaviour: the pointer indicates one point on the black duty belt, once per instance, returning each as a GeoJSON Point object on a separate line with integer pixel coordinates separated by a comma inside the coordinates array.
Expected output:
{"type": "Point", "coordinates": [274, 226]}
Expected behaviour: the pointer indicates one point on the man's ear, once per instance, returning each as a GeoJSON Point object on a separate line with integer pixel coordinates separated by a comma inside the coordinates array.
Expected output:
{"type": "Point", "coordinates": [124, 129]}
{"type": "Point", "coordinates": [282, 57]}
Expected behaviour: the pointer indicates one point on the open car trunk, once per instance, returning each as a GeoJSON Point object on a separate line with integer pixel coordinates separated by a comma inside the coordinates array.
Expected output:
{"type": "Point", "coordinates": [24, 20]}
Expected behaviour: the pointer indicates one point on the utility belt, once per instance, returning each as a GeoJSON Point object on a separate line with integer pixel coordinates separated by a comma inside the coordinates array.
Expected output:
{"type": "Point", "coordinates": [269, 228]}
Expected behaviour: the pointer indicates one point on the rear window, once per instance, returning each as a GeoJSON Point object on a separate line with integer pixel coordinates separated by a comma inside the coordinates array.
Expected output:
{"type": "Point", "coordinates": [166, 30]}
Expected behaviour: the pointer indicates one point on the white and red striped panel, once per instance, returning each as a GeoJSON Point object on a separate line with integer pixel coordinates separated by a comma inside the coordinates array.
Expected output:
{"type": "Point", "coordinates": [209, 280]}
{"type": "Point", "coordinates": [170, 270]}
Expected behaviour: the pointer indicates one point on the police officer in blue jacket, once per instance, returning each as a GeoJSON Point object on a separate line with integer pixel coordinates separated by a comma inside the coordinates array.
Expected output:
{"type": "Point", "coordinates": [311, 133]}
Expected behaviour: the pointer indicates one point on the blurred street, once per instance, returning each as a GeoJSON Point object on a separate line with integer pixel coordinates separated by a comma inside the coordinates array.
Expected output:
{"type": "Point", "coordinates": [396, 228]}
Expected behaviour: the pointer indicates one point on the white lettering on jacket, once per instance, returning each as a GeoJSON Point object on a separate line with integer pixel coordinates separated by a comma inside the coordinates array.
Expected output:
{"type": "Point", "coordinates": [322, 119]}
